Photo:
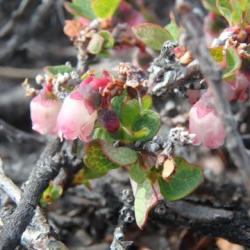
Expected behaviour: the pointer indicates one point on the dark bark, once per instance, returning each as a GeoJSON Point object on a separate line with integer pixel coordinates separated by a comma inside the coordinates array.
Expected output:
{"type": "Point", "coordinates": [46, 169]}
{"type": "Point", "coordinates": [231, 224]}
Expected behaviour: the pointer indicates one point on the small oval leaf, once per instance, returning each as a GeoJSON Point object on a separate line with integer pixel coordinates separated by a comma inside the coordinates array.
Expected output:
{"type": "Point", "coordinates": [137, 174]}
{"type": "Point", "coordinates": [96, 44]}
{"type": "Point", "coordinates": [233, 62]}
{"type": "Point", "coordinates": [225, 9]}
{"type": "Point", "coordinates": [145, 199]}
{"type": "Point", "coordinates": [97, 164]}
{"type": "Point", "coordinates": [58, 69]}
{"type": "Point", "coordinates": [104, 8]}
{"type": "Point", "coordinates": [122, 156]}
{"type": "Point", "coordinates": [174, 30]}
{"type": "Point", "coordinates": [148, 122]}
{"type": "Point", "coordinates": [152, 35]}
{"type": "Point", "coordinates": [130, 112]}
{"type": "Point", "coordinates": [180, 184]}
{"type": "Point", "coordinates": [81, 8]}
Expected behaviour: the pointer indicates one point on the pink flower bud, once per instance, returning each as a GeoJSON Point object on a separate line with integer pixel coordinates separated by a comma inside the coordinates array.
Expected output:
{"type": "Point", "coordinates": [97, 83]}
{"type": "Point", "coordinates": [76, 118]}
{"type": "Point", "coordinates": [236, 90]}
{"type": "Point", "coordinates": [193, 95]}
{"type": "Point", "coordinates": [44, 113]}
{"type": "Point", "coordinates": [109, 120]}
{"type": "Point", "coordinates": [205, 123]}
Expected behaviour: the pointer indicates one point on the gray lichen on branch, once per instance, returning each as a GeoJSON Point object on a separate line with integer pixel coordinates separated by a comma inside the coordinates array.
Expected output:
{"type": "Point", "coordinates": [166, 73]}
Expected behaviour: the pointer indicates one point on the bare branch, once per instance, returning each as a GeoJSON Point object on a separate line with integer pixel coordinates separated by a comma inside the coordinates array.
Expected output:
{"type": "Point", "coordinates": [38, 233]}
{"type": "Point", "coordinates": [23, 33]}
{"type": "Point", "coordinates": [46, 169]}
{"type": "Point", "coordinates": [18, 136]}
{"type": "Point", "coordinates": [231, 224]}
{"type": "Point", "coordinates": [12, 72]}
{"type": "Point", "coordinates": [7, 185]}
{"type": "Point", "coordinates": [16, 15]}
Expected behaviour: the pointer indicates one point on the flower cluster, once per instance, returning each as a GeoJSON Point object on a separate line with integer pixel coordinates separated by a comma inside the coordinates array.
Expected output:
{"type": "Point", "coordinates": [75, 117]}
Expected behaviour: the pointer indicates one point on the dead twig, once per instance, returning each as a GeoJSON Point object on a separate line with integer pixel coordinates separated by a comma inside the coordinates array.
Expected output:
{"type": "Point", "coordinates": [11, 72]}
{"type": "Point", "coordinates": [38, 234]}
{"type": "Point", "coordinates": [23, 33]}
{"type": "Point", "coordinates": [18, 136]}
{"type": "Point", "coordinates": [46, 169]}
{"type": "Point", "coordinates": [231, 224]}
{"type": "Point", "coordinates": [16, 15]}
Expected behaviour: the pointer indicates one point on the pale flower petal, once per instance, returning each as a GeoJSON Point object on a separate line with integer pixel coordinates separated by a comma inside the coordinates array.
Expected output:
{"type": "Point", "coordinates": [44, 113]}
{"type": "Point", "coordinates": [205, 123]}
{"type": "Point", "coordinates": [74, 116]}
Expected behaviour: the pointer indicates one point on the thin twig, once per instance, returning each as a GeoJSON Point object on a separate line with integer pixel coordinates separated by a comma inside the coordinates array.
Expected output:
{"type": "Point", "coordinates": [38, 234]}
{"type": "Point", "coordinates": [46, 169]}
{"type": "Point", "coordinates": [12, 72]}
{"type": "Point", "coordinates": [195, 41]}
{"type": "Point", "coordinates": [7, 185]}
{"type": "Point", "coordinates": [23, 33]}
{"type": "Point", "coordinates": [231, 224]}
{"type": "Point", "coordinates": [16, 15]}
{"type": "Point", "coordinates": [18, 136]}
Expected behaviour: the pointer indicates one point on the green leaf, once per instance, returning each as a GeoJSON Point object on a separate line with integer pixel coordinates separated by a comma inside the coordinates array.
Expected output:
{"type": "Point", "coordinates": [51, 194]}
{"type": "Point", "coordinates": [138, 122]}
{"type": "Point", "coordinates": [233, 63]}
{"type": "Point", "coordinates": [59, 69]}
{"type": "Point", "coordinates": [244, 4]}
{"type": "Point", "coordinates": [225, 9]}
{"type": "Point", "coordinates": [210, 5]}
{"type": "Point", "coordinates": [146, 102]}
{"type": "Point", "coordinates": [174, 30]}
{"type": "Point", "coordinates": [108, 39]}
{"type": "Point", "coordinates": [217, 53]}
{"type": "Point", "coordinates": [122, 156]}
{"type": "Point", "coordinates": [152, 35]}
{"type": "Point", "coordinates": [96, 44]}
{"type": "Point", "coordinates": [184, 180]}
{"type": "Point", "coordinates": [102, 134]}
{"type": "Point", "coordinates": [101, 156]}
{"type": "Point", "coordinates": [236, 12]}
{"type": "Point", "coordinates": [117, 102]}
{"type": "Point", "coordinates": [56, 192]}
{"type": "Point", "coordinates": [145, 199]}
{"type": "Point", "coordinates": [123, 135]}
{"type": "Point", "coordinates": [104, 8]}
{"type": "Point", "coordinates": [130, 112]}
{"type": "Point", "coordinates": [97, 163]}
{"type": "Point", "coordinates": [141, 133]}
{"type": "Point", "coordinates": [149, 120]}
{"type": "Point", "coordinates": [137, 174]}
{"type": "Point", "coordinates": [82, 8]}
